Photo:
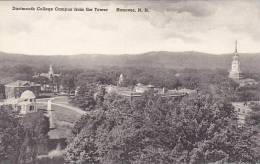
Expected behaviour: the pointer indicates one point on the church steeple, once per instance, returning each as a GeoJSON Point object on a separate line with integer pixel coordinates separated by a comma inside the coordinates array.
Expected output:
{"type": "Point", "coordinates": [50, 72]}
{"type": "Point", "coordinates": [121, 80]}
{"type": "Point", "coordinates": [236, 47]}
{"type": "Point", "coordinates": [235, 72]}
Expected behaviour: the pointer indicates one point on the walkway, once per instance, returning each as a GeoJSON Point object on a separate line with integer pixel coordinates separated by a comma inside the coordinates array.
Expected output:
{"type": "Point", "coordinates": [62, 116]}
{"type": "Point", "coordinates": [64, 104]}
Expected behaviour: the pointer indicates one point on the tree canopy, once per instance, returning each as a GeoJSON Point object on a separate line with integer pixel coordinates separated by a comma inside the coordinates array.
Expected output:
{"type": "Point", "coordinates": [11, 135]}
{"type": "Point", "coordinates": [152, 129]}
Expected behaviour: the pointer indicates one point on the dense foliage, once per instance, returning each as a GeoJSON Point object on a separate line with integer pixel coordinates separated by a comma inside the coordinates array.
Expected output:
{"type": "Point", "coordinates": [36, 126]}
{"type": "Point", "coordinates": [151, 129]}
{"type": "Point", "coordinates": [89, 96]}
{"type": "Point", "coordinates": [253, 119]}
{"type": "Point", "coordinates": [11, 135]}
{"type": "Point", "coordinates": [22, 139]}
{"type": "Point", "coordinates": [203, 79]}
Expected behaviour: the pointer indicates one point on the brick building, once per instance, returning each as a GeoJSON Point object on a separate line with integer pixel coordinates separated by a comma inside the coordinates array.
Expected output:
{"type": "Point", "coordinates": [15, 89]}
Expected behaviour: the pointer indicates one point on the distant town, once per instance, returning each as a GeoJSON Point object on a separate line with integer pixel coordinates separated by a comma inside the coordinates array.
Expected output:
{"type": "Point", "coordinates": [66, 102]}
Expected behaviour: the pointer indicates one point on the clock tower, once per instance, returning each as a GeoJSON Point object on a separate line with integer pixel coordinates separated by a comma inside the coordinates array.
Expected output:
{"type": "Point", "coordinates": [235, 72]}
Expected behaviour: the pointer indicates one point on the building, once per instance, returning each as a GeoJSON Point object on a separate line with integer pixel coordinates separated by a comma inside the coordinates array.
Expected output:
{"type": "Point", "coordinates": [15, 89]}
{"type": "Point", "coordinates": [120, 80]}
{"type": "Point", "coordinates": [141, 88]}
{"type": "Point", "coordinates": [24, 104]}
{"type": "Point", "coordinates": [27, 102]}
{"type": "Point", "coordinates": [50, 75]}
{"type": "Point", "coordinates": [49, 81]}
{"type": "Point", "coordinates": [235, 72]}
{"type": "Point", "coordinates": [247, 82]}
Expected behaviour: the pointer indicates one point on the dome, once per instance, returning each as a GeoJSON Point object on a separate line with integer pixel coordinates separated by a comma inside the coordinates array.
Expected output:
{"type": "Point", "coordinates": [27, 95]}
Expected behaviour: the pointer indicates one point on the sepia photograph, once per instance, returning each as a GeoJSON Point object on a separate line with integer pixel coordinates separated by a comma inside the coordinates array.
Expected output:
{"type": "Point", "coordinates": [130, 82]}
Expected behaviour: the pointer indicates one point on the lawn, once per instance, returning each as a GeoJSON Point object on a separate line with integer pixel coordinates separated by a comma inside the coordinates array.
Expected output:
{"type": "Point", "coordinates": [64, 114]}
{"type": "Point", "coordinates": [61, 100]}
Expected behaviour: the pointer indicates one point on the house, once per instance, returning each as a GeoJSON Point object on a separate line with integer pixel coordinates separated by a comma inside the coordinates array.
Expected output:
{"type": "Point", "coordinates": [141, 88]}
{"type": "Point", "coordinates": [247, 82]}
{"type": "Point", "coordinates": [24, 104]}
{"type": "Point", "coordinates": [15, 89]}
{"type": "Point", "coordinates": [27, 102]}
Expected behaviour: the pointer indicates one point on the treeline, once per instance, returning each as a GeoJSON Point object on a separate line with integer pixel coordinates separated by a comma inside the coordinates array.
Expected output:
{"type": "Point", "coordinates": [204, 80]}
{"type": "Point", "coordinates": [162, 59]}
{"type": "Point", "coordinates": [160, 77]}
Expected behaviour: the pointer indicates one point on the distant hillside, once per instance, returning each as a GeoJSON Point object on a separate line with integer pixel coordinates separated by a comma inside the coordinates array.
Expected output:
{"type": "Point", "coordinates": [176, 60]}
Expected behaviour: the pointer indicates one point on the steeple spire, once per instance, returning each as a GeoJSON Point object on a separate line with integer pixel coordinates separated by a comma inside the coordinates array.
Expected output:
{"type": "Point", "coordinates": [50, 69]}
{"type": "Point", "coordinates": [236, 47]}
{"type": "Point", "coordinates": [50, 72]}
{"type": "Point", "coordinates": [235, 72]}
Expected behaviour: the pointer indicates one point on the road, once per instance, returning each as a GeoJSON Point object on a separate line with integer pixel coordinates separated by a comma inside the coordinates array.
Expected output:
{"type": "Point", "coordinates": [242, 110]}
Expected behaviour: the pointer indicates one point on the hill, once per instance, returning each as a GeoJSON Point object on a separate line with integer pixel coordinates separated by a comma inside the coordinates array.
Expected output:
{"type": "Point", "coordinates": [175, 60]}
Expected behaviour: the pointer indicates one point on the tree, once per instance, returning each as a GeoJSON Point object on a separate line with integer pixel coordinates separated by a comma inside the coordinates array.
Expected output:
{"type": "Point", "coordinates": [68, 82]}
{"type": "Point", "coordinates": [99, 96]}
{"type": "Point", "coordinates": [85, 97]}
{"type": "Point", "coordinates": [36, 127]}
{"type": "Point", "coordinates": [79, 125]}
{"type": "Point", "coordinates": [11, 135]}
{"type": "Point", "coordinates": [253, 119]}
{"type": "Point", "coordinates": [41, 80]}
{"type": "Point", "coordinates": [152, 129]}
{"type": "Point", "coordinates": [56, 83]}
{"type": "Point", "coordinates": [28, 150]}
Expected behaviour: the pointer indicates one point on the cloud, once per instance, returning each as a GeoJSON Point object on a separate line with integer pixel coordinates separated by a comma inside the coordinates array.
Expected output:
{"type": "Point", "coordinates": [209, 26]}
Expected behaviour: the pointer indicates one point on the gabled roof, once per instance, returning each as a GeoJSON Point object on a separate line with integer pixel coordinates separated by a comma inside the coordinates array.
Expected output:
{"type": "Point", "coordinates": [20, 83]}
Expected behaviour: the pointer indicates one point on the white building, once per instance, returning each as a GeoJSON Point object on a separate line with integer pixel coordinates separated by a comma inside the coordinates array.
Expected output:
{"type": "Point", "coordinates": [141, 88]}
{"type": "Point", "coordinates": [120, 80]}
{"type": "Point", "coordinates": [235, 72]}
{"type": "Point", "coordinates": [50, 75]}
{"type": "Point", "coordinates": [25, 104]}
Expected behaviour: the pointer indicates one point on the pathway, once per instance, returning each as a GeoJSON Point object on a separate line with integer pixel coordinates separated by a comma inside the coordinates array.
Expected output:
{"type": "Point", "coordinates": [64, 103]}
{"type": "Point", "coordinates": [59, 128]}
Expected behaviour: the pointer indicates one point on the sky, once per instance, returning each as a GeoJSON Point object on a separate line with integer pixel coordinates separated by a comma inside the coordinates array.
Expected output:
{"type": "Point", "coordinates": [205, 26]}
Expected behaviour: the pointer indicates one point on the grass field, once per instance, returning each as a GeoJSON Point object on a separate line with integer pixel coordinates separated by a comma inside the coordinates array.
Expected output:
{"type": "Point", "coordinates": [65, 114]}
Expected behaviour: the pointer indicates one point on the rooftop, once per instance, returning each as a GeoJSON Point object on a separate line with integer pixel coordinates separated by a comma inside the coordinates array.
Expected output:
{"type": "Point", "coordinates": [20, 83]}
{"type": "Point", "coordinates": [27, 95]}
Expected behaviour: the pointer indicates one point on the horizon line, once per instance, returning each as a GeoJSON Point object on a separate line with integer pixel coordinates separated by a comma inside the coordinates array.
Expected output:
{"type": "Point", "coordinates": [121, 54]}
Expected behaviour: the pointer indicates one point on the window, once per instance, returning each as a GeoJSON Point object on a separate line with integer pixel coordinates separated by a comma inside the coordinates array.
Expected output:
{"type": "Point", "coordinates": [31, 108]}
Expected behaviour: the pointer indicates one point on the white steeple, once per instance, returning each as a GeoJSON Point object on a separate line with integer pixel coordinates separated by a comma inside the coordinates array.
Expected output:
{"type": "Point", "coordinates": [236, 47]}
{"type": "Point", "coordinates": [235, 72]}
{"type": "Point", "coordinates": [50, 72]}
{"type": "Point", "coordinates": [121, 80]}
